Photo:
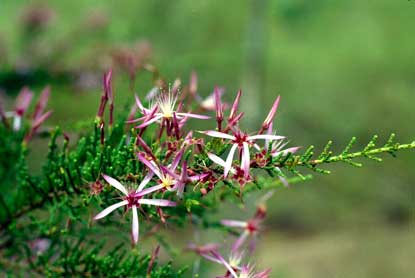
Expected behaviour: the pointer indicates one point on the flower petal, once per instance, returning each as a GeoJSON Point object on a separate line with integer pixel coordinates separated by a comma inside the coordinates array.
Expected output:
{"type": "Point", "coordinates": [234, 223]}
{"type": "Point", "coordinates": [286, 151]}
{"type": "Point", "coordinates": [135, 228]}
{"type": "Point", "coordinates": [157, 202]}
{"type": "Point", "coordinates": [229, 159]}
{"type": "Point", "coordinates": [149, 190]}
{"type": "Point", "coordinates": [245, 160]}
{"type": "Point", "coordinates": [218, 134]}
{"type": "Point", "coordinates": [176, 160]}
{"type": "Point", "coordinates": [149, 122]}
{"type": "Point", "coordinates": [271, 114]}
{"type": "Point", "coordinates": [191, 115]}
{"type": "Point", "coordinates": [150, 165]}
{"type": "Point", "coordinates": [265, 136]}
{"type": "Point", "coordinates": [113, 182]}
{"type": "Point", "coordinates": [241, 239]}
{"type": "Point", "coordinates": [224, 263]}
{"type": "Point", "coordinates": [110, 209]}
{"type": "Point", "coordinates": [145, 181]}
{"type": "Point", "coordinates": [216, 159]}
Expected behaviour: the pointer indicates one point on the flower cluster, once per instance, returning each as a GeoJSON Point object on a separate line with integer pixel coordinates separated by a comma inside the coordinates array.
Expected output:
{"type": "Point", "coordinates": [175, 161]}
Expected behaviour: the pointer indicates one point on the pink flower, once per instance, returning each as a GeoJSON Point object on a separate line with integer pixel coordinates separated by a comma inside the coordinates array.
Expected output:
{"type": "Point", "coordinates": [277, 149]}
{"type": "Point", "coordinates": [133, 199]}
{"type": "Point", "coordinates": [163, 111]}
{"type": "Point", "coordinates": [168, 177]}
{"type": "Point", "coordinates": [248, 271]}
{"type": "Point", "coordinates": [22, 104]}
{"type": "Point", "coordinates": [251, 227]}
{"type": "Point", "coordinates": [186, 178]}
{"type": "Point", "coordinates": [234, 267]}
{"type": "Point", "coordinates": [211, 253]}
{"type": "Point", "coordinates": [242, 142]}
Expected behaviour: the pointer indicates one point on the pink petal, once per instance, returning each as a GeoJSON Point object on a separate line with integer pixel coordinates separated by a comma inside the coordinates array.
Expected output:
{"type": "Point", "coordinates": [150, 165]}
{"type": "Point", "coordinates": [157, 202]}
{"type": "Point", "coordinates": [23, 101]}
{"type": "Point", "coordinates": [149, 190]}
{"type": "Point", "coordinates": [263, 274]}
{"type": "Point", "coordinates": [38, 121]}
{"type": "Point", "coordinates": [235, 105]}
{"type": "Point", "coordinates": [225, 263]}
{"type": "Point", "coordinates": [135, 228]}
{"type": "Point", "coordinates": [177, 159]}
{"type": "Point", "coordinates": [135, 120]}
{"type": "Point", "coordinates": [266, 136]}
{"type": "Point", "coordinates": [139, 104]}
{"type": "Point", "coordinates": [145, 181]}
{"type": "Point", "coordinates": [149, 122]}
{"type": "Point", "coordinates": [217, 159]}
{"type": "Point", "coordinates": [234, 223]}
{"type": "Point", "coordinates": [107, 85]}
{"type": "Point", "coordinates": [115, 184]}
{"type": "Point", "coordinates": [269, 132]}
{"type": "Point", "coordinates": [246, 160]}
{"type": "Point", "coordinates": [240, 241]}
{"type": "Point", "coordinates": [191, 115]}
{"type": "Point", "coordinates": [198, 177]}
{"type": "Point", "coordinates": [286, 152]}
{"type": "Point", "coordinates": [167, 171]}
{"type": "Point", "coordinates": [110, 209]}
{"type": "Point", "coordinates": [41, 104]}
{"type": "Point", "coordinates": [218, 104]}
{"type": "Point", "coordinates": [218, 134]}
{"type": "Point", "coordinates": [211, 258]}
{"type": "Point", "coordinates": [271, 114]}
{"type": "Point", "coordinates": [179, 188]}
{"type": "Point", "coordinates": [229, 159]}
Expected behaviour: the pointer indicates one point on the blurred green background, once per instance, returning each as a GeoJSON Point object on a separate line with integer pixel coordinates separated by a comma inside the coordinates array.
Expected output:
{"type": "Point", "coordinates": [343, 69]}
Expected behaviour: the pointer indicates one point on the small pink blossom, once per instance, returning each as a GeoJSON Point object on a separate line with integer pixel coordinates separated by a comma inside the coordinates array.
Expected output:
{"type": "Point", "coordinates": [242, 142]}
{"type": "Point", "coordinates": [163, 111]}
{"type": "Point", "coordinates": [132, 200]}
{"type": "Point", "coordinates": [251, 227]}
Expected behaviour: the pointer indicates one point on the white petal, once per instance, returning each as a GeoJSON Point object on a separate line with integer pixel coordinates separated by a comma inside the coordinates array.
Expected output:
{"type": "Point", "coordinates": [135, 228]}
{"type": "Point", "coordinates": [115, 184]}
{"type": "Point", "coordinates": [218, 134]}
{"type": "Point", "coordinates": [241, 239]}
{"type": "Point", "coordinates": [229, 159]}
{"type": "Point", "coordinates": [157, 202]}
{"type": "Point", "coordinates": [145, 181]}
{"type": "Point", "coordinates": [266, 136]}
{"type": "Point", "coordinates": [191, 115]}
{"type": "Point", "coordinates": [246, 159]}
{"type": "Point", "coordinates": [149, 190]}
{"type": "Point", "coordinates": [149, 122]}
{"type": "Point", "coordinates": [110, 209]}
{"type": "Point", "coordinates": [225, 263]}
{"type": "Point", "coordinates": [217, 159]}
{"type": "Point", "coordinates": [234, 223]}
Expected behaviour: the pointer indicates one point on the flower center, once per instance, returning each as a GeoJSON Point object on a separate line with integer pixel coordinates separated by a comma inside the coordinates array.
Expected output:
{"type": "Point", "coordinates": [132, 199]}
{"type": "Point", "coordinates": [240, 138]}
{"type": "Point", "coordinates": [166, 103]}
{"type": "Point", "coordinates": [252, 227]}
{"type": "Point", "coordinates": [167, 181]}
